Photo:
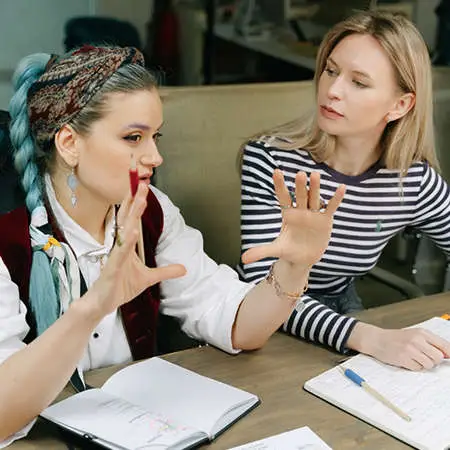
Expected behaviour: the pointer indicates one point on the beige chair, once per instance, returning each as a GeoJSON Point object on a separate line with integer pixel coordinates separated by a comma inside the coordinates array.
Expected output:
{"type": "Point", "coordinates": [204, 128]}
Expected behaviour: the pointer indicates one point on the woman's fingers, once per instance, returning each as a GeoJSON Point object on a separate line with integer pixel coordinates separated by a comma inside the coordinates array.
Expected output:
{"type": "Point", "coordinates": [335, 201]}
{"type": "Point", "coordinates": [138, 204]}
{"type": "Point", "coordinates": [301, 191]}
{"type": "Point", "coordinates": [128, 227]}
{"type": "Point", "coordinates": [158, 274]}
{"type": "Point", "coordinates": [124, 208]}
{"type": "Point", "coordinates": [125, 244]}
{"type": "Point", "coordinates": [440, 344]}
{"type": "Point", "coordinates": [281, 191]}
{"type": "Point", "coordinates": [299, 221]}
{"type": "Point", "coordinates": [129, 200]}
{"type": "Point", "coordinates": [423, 349]}
{"type": "Point", "coordinates": [257, 253]}
{"type": "Point", "coordinates": [305, 197]}
{"type": "Point", "coordinates": [314, 191]}
{"type": "Point", "coordinates": [429, 350]}
{"type": "Point", "coordinates": [412, 364]}
{"type": "Point", "coordinates": [423, 360]}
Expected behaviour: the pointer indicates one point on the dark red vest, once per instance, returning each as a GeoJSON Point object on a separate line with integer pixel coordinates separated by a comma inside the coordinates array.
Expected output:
{"type": "Point", "coordinates": [139, 316]}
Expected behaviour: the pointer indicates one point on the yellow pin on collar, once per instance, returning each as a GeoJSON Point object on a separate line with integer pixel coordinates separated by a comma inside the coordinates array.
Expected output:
{"type": "Point", "coordinates": [51, 241]}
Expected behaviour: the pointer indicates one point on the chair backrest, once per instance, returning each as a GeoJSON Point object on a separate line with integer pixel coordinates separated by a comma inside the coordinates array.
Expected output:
{"type": "Point", "coordinates": [11, 190]}
{"type": "Point", "coordinates": [204, 129]}
{"type": "Point", "coordinates": [441, 87]}
{"type": "Point", "coordinates": [100, 31]}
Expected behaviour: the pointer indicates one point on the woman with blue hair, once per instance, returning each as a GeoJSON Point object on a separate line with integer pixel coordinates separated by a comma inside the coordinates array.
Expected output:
{"type": "Point", "coordinates": [74, 294]}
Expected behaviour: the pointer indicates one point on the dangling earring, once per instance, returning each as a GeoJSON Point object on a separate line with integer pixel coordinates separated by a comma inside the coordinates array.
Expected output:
{"type": "Point", "coordinates": [72, 182]}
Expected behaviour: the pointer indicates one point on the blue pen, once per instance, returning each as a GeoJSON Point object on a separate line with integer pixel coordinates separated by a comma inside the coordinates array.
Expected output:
{"type": "Point", "coordinates": [353, 376]}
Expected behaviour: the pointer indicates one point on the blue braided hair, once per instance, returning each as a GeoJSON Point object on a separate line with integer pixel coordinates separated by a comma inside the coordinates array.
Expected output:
{"type": "Point", "coordinates": [34, 122]}
{"type": "Point", "coordinates": [44, 301]}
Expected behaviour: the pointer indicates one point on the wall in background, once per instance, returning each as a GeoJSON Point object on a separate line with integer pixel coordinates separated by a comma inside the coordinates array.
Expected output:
{"type": "Point", "coordinates": [426, 20]}
{"type": "Point", "coordinates": [38, 26]}
{"type": "Point", "coordinates": [30, 27]}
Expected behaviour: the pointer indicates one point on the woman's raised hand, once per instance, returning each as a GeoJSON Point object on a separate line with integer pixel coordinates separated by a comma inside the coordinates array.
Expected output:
{"type": "Point", "coordinates": [125, 276]}
{"type": "Point", "coordinates": [306, 226]}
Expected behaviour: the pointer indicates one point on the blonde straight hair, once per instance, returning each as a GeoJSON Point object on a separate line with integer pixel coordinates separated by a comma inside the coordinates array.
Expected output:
{"type": "Point", "coordinates": [404, 141]}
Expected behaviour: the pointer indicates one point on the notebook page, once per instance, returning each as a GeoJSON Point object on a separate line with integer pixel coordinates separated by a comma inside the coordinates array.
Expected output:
{"type": "Point", "coordinates": [299, 439]}
{"type": "Point", "coordinates": [437, 325]}
{"type": "Point", "coordinates": [168, 389]}
{"type": "Point", "coordinates": [422, 395]}
{"type": "Point", "coordinates": [113, 420]}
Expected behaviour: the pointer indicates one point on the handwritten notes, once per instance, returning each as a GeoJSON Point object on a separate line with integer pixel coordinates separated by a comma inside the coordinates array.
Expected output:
{"type": "Point", "coordinates": [121, 422]}
{"type": "Point", "coordinates": [422, 395]}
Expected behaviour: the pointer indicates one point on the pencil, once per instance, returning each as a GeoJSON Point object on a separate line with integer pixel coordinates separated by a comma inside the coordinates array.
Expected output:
{"type": "Point", "coordinates": [358, 380]}
{"type": "Point", "coordinates": [134, 183]}
{"type": "Point", "coordinates": [140, 244]}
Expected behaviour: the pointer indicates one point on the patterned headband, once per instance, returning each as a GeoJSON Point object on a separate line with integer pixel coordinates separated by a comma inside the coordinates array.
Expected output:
{"type": "Point", "coordinates": [68, 84]}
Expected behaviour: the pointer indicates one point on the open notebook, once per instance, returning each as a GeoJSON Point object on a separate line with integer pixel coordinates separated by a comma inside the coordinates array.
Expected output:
{"type": "Point", "coordinates": [152, 404]}
{"type": "Point", "coordinates": [424, 396]}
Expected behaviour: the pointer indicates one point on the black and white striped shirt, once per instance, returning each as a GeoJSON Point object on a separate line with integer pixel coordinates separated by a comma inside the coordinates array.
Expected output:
{"type": "Point", "coordinates": [374, 209]}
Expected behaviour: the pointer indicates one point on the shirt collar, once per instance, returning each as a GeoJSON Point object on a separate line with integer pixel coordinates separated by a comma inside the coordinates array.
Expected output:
{"type": "Point", "coordinates": [81, 242]}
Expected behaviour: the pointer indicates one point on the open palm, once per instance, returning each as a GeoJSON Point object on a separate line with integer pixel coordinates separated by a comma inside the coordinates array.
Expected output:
{"type": "Point", "coordinates": [125, 276]}
{"type": "Point", "coordinates": [306, 228]}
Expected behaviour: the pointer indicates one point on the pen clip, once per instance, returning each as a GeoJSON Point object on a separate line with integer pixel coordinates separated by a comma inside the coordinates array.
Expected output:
{"type": "Point", "coordinates": [89, 436]}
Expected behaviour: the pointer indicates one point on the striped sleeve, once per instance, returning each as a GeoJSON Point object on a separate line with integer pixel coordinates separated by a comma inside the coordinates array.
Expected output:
{"type": "Point", "coordinates": [432, 214]}
{"type": "Point", "coordinates": [260, 212]}
{"type": "Point", "coordinates": [315, 322]}
{"type": "Point", "coordinates": [260, 224]}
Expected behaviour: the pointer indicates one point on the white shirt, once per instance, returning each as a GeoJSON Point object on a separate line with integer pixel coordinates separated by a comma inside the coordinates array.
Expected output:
{"type": "Point", "coordinates": [205, 300]}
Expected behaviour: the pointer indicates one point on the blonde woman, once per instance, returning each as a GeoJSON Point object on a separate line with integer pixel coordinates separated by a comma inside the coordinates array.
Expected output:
{"type": "Point", "coordinates": [372, 130]}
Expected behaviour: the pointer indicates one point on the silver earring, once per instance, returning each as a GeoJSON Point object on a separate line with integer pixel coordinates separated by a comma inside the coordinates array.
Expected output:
{"type": "Point", "coordinates": [72, 182]}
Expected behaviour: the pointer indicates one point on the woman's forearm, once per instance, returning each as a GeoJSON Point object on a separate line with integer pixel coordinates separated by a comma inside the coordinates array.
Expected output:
{"type": "Point", "coordinates": [263, 311]}
{"type": "Point", "coordinates": [364, 338]}
{"type": "Point", "coordinates": [32, 378]}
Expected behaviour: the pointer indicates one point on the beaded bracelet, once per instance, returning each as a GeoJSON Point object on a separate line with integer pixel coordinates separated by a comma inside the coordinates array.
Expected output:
{"type": "Point", "coordinates": [272, 281]}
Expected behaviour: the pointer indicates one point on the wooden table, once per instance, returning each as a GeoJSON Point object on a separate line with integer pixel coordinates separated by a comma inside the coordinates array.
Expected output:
{"type": "Point", "coordinates": [276, 374]}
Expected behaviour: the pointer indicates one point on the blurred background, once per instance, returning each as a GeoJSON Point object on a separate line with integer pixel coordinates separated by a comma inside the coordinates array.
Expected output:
{"type": "Point", "coordinates": [195, 42]}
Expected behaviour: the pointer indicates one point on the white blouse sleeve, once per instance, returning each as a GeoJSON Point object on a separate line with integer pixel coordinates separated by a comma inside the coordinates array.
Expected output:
{"type": "Point", "coordinates": [207, 298]}
{"type": "Point", "coordinates": [13, 329]}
